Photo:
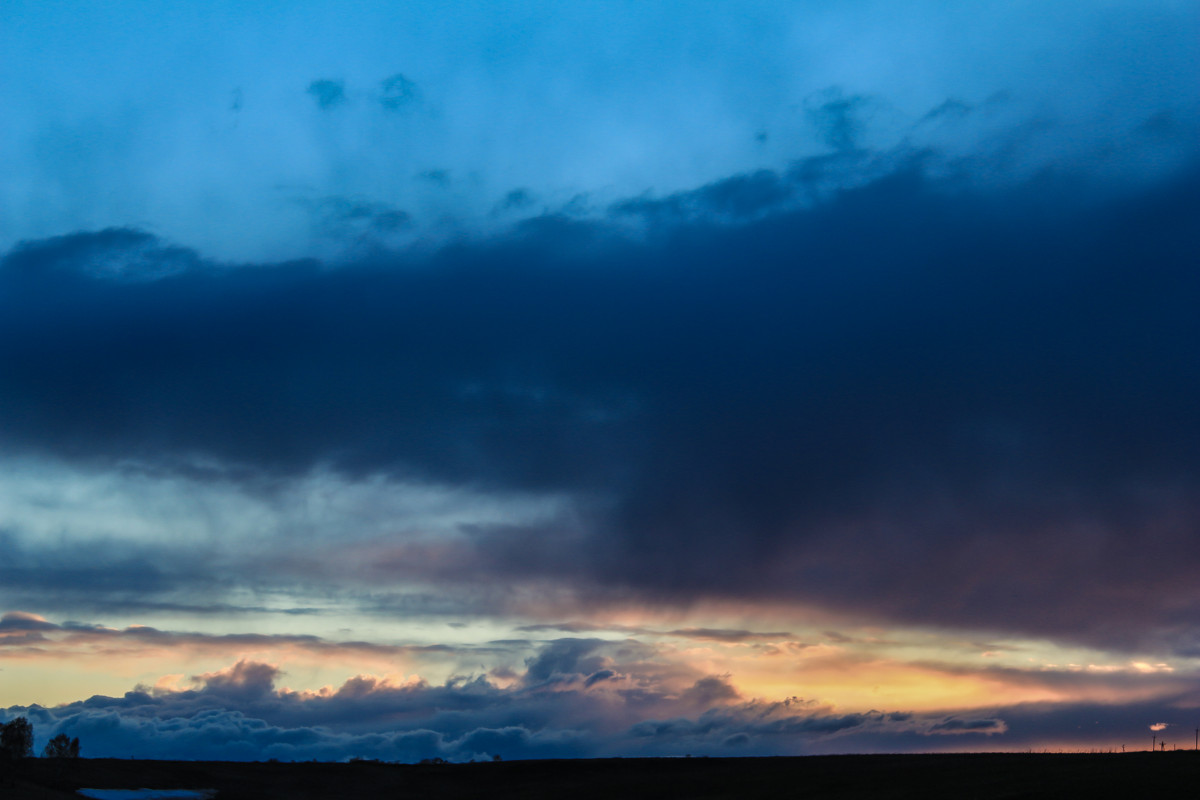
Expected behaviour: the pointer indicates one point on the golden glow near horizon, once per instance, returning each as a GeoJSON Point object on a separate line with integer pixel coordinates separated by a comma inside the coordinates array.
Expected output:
{"type": "Point", "coordinates": [845, 671]}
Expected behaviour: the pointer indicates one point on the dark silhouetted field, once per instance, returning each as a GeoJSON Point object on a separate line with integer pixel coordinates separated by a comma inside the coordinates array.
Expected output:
{"type": "Point", "coordinates": [989, 775]}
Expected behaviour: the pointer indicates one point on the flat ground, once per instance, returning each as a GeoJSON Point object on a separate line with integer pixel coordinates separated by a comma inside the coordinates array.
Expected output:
{"type": "Point", "coordinates": [983, 775]}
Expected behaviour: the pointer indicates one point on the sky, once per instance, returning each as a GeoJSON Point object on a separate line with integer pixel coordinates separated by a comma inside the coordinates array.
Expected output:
{"type": "Point", "coordinates": [550, 380]}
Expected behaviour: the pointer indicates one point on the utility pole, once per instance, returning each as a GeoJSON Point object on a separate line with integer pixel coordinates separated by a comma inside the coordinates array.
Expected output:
{"type": "Point", "coordinates": [1198, 738]}
{"type": "Point", "coordinates": [1153, 742]}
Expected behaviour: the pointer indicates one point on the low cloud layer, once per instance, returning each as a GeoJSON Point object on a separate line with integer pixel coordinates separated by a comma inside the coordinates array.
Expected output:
{"type": "Point", "coordinates": [239, 714]}
{"type": "Point", "coordinates": [576, 698]}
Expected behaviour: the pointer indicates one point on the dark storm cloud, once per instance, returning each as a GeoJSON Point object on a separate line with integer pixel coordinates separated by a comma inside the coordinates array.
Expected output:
{"type": "Point", "coordinates": [914, 400]}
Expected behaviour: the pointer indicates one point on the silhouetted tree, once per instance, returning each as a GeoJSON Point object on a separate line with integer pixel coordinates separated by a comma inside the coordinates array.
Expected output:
{"type": "Point", "coordinates": [62, 746]}
{"type": "Point", "coordinates": [16, 739]}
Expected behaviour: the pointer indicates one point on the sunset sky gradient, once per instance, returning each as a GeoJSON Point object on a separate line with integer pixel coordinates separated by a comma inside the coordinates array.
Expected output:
{"type": "Point", "coordinates": [586, 379]}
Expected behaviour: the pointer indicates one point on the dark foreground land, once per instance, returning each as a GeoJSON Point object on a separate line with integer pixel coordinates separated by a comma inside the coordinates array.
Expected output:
{"type": "Point", "coordinates": [985, 775]}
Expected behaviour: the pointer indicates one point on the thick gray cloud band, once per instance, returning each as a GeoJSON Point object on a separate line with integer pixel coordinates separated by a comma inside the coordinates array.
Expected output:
{"type": "Point", "coordinates": [988, 394]}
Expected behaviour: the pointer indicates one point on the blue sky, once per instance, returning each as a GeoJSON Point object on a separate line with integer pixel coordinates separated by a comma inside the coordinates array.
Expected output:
{"type": "Point", "coordinates": [198, 122]}
{"type": "Point", "coordinates": [598, 379]}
